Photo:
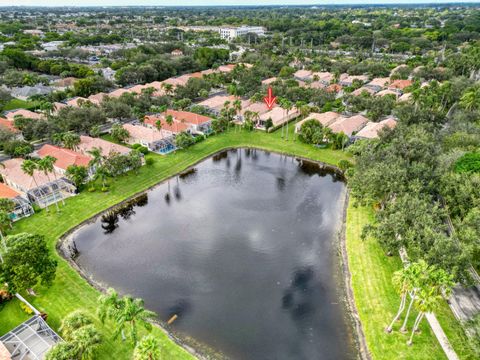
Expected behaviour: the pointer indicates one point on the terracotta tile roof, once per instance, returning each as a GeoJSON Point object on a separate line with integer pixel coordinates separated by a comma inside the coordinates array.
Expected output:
{"type": "Point", "coordinates": [66, 82]}
{"type": "Point", "coordinates": [400, 84]}
{"type": "Point", "coordinates": [277, 114]}
{"type": "Point", "coordinates": [97, 98]}
{"type": "Point", "coordinates": [7, 192]}
{"type": "Point", "coordinates": [74, 101]}
{"type": "Point", "coordinates": [87, 143]}
{"type": "Point", "coordinates": [379, 82]}
{"type": "Point", "coordinates": [349, 125]}
{"type": "Point", "coordinates": [188, 117]}
{"type": "Point", "coordinates": [386, 92]}
{"type": "Point", "coordinates": [139, 133]}
{"type": "Point", "coordinates": [216, 102]}
{"type": "Point", "coordinates": [226, 68]}
{"type": "Point", "coordinates": [302, 74]}
{"type": "Point", "coordinates": [361, 90]}
{"type": "Point", "coordinates": [269, 81]}
{"type": "Point", "coordinates": [13, 174]}
{"type": "Point", "coordinates": [137, 89]}
{"type": "Point", "coordinates": [58, 106]}
{"type": "Point", "coordinates": [404, 97]}
{"type": "Point", "coordinates": [334, 88]}
{"type": "Point", "coordinates": [349, 79]}
{"type": "Point", "coordinates": [259, 107]}
{"type": "Point", "coordinates": [325, 119]}
{"type": "Point", "coordinates": [370, 131]}
{"type": "Point", "coordinates": [65, 157]}
{"type": "Point", "coordinates": [10, 115]}
{"type": "Point", "coordinates": [323, 76]}
{"type": "Point", "coordinates": [8, 124]}
{"type": "Point", "coordinates": [175, 128]}
{"type": "Point", "coordinates": [117, 93]}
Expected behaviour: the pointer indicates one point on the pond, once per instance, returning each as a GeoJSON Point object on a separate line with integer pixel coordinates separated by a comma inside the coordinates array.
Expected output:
{"type": "Point", "coordinates": [241, 248]}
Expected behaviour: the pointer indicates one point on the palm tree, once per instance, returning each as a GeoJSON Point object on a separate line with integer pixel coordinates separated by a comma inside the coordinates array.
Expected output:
{"type": "Point", "coordinates": [72, 322]}
{"type": "Point", "coordinates": [168, 88]}
{"type": "Point", "coordinates": [86, 341]}
{"type": "Point", "coordinates": [287, 106]}
{"type": "Point", "coordinates": [237, 106]}
{"type": "Point", "coordinates": [125, 311]}
{"type": "Point", "coordinates": [437, 284]}
{"type": "Point", "coordinates": [70, 140]}
{"type": "Point", "coordinates": [148, 348]}
{"type": "Point", "coordinates": [29, 167]}
{"type": "Point", "coordinates": [46, 165]}
{"type": "Point", "coordinates": [470, 100]}
{"type": "Point", "coordinates": [101, 173]}
{"type": "Point", "coordinates": [403, 283]}
{"type": "Point", "coordinates": [158, 125]}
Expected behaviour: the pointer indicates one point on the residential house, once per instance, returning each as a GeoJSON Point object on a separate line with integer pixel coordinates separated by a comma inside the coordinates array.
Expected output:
{"type": "Point", "coordinates": [387, 92]}
{"type": "Point", "coordinates": [198, 123]}
{"type": "Point", "coordinates": [97, 99]}
{"type": "Point", "coordinates": [303, 75]}
{"type": "Point", "coordinates": [150, 137]}
{"type": "Point", "coordinates": [42, 189]}
{"type": "Point", "coordinates": [323, 77]}
{"type": "Point", "coordinates": [22, 208]}
{"type": "Point", "coordinates": [325, 119]}
{"type": "Point", "coordinates": [349, 125]}
{"type": "Point", "coordinates": [278, 116]}
{"type": "Point", "coordinates": [347, 80]}
{"type": "Point", "coordinates": [24, 92]}
{"type": "Point", "coordinates": [117, 93]}
{"type": "Point", "coordinates": [400, 85]}
{"type": "Point", "coordinates": [88, 143]}
{"type": "Point", "coordinates": [76, 101]}
{"type": "Point", "coordinates": [371, 130]}
{"type": "Point", "coordinates": [10, 115]}
{"type": "Point", "coordinates": [378, 84]}
{"type": "Point", "coordinates": [405, 97]}
{"type": "Point", "coordinates": [168, 130]}
{"type": "Point", "coordinates": [57, 106]}
{"type": "Point", "coordinates": [269, 81]}
{"type": "Point", "coordinates": [8, 125]}
{"type": "Point", "coordinates": [64, 158]}
{"type": "Point", "coordinates": [216, 103]}
{"type": "Point", "coordinates": [363, 90]}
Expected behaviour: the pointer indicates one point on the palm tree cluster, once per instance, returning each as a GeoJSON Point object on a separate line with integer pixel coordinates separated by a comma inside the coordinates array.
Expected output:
{"type": "Point", "coordinates": [425, 285]}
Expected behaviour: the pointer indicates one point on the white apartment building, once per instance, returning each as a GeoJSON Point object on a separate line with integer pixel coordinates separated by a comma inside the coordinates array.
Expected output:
{"type": "Point", "coordinates": [230, 33]}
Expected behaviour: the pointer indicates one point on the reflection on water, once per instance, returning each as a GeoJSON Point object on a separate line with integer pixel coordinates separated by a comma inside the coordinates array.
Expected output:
{"type": "Point", "coordinates": [240, 249]}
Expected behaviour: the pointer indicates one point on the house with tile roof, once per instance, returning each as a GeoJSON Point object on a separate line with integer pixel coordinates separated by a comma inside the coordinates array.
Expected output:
{"type": "Point", "coordinates": [97, 99]}
{"type": "Point", "coordinates": [278, 117]}
{"type": "Point", "coordinates": [363, 90]}
{"type": "Point", "coordinates": [88, 143]}
{"type": "Point", "coordinates": [349, 125]}
{"type": "Point", "coordinates": [371, 130]}
{"type": "Point", "coordinates": [378, 84]}
{"type": "Point", "coordinates": [175, 128]}
{"type": "Point", "coordinates": [8, 125]}
{"type": "Point", "coordinates": [325, 119]}
{"type": "Point", "coordinates": [11, 114]}
{"type": "Point", "coordinates": [155, 140]}
{"type": "Point", "coordinates": [40, 188]}
{"type": "Point", "coordinates": [76, 101]}
{"type": "Point", "coordinates": [198, 123]}
{"type": "Point", "coordinates": [64, 157]}
{"type": "Point", "coordinates": [400, 85]}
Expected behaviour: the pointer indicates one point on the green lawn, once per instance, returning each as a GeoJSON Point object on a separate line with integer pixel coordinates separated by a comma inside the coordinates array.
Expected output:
{"type": "Point", "coordinates": [372, 270]}
{"type": "Point", "coordinates": [20, 104]}
{"type": "Point", "coordinates": [377, 301]}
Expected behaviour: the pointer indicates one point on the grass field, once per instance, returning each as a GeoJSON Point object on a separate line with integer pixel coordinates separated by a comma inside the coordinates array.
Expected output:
{"type": "Point", "coordinates": [371, 270]}
{"type": "Point", "coordinates": [377, 301]}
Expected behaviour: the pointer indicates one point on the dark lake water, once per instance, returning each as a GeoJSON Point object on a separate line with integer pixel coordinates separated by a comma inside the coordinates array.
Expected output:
{"type": "Point", "coordinates": [241, 248]}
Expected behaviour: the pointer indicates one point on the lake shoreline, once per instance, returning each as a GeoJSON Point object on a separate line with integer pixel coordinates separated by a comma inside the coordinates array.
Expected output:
{"type": "Point", "coordinates": [192, 346]}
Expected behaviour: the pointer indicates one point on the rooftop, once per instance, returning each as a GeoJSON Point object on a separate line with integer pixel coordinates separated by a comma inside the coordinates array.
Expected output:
{"type": "Point", "coordinates": [7, 192]}
{"type": "Point", "coordinates": [65, 157]}
{"type": "Point", "coordinates": [88, 143]}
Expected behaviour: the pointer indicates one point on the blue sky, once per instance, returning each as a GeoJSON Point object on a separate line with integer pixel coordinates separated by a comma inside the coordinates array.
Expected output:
{"type": "Point", "coordinates": [208, 2]}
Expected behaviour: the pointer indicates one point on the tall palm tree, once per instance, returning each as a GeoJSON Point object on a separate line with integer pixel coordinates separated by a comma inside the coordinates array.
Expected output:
{"type": "Point", "coordinates": [437, 285]}
{"type": "Point", "coordinates": [29, 167]}
{"type": "Point", "coordinates": [403, 283]}
{"type": "Point", "coordinates": [148, 348]}
{"type": "Point", "coordinates": [287, 106]}
{"type": "Point", "coordinates": [237, 106]}
{"type": "Point", "coordinates": [72, 322]}
{"type": "Point", "coordinates": [46, 165]}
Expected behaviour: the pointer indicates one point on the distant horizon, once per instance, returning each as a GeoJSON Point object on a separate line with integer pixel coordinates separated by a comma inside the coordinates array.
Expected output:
{"type": "Point", "coordinates": [225, 3]}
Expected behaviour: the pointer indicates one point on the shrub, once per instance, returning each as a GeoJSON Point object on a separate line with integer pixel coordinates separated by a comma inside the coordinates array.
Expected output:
{"type": "Point", "coordinates": [344, 165]}
{"type": "Point", "coordinates": [149, 161]}
{"type": "Point", "coordinates": [26, 309]}
{"type": "Point", "coordinates": [5, 296]}
{"type": "Point", "coordinates": [468, 163]}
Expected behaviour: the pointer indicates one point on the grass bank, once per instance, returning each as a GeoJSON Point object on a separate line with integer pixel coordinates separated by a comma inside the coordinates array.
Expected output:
{"type": "Point", "coordinates": [377, 301]}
